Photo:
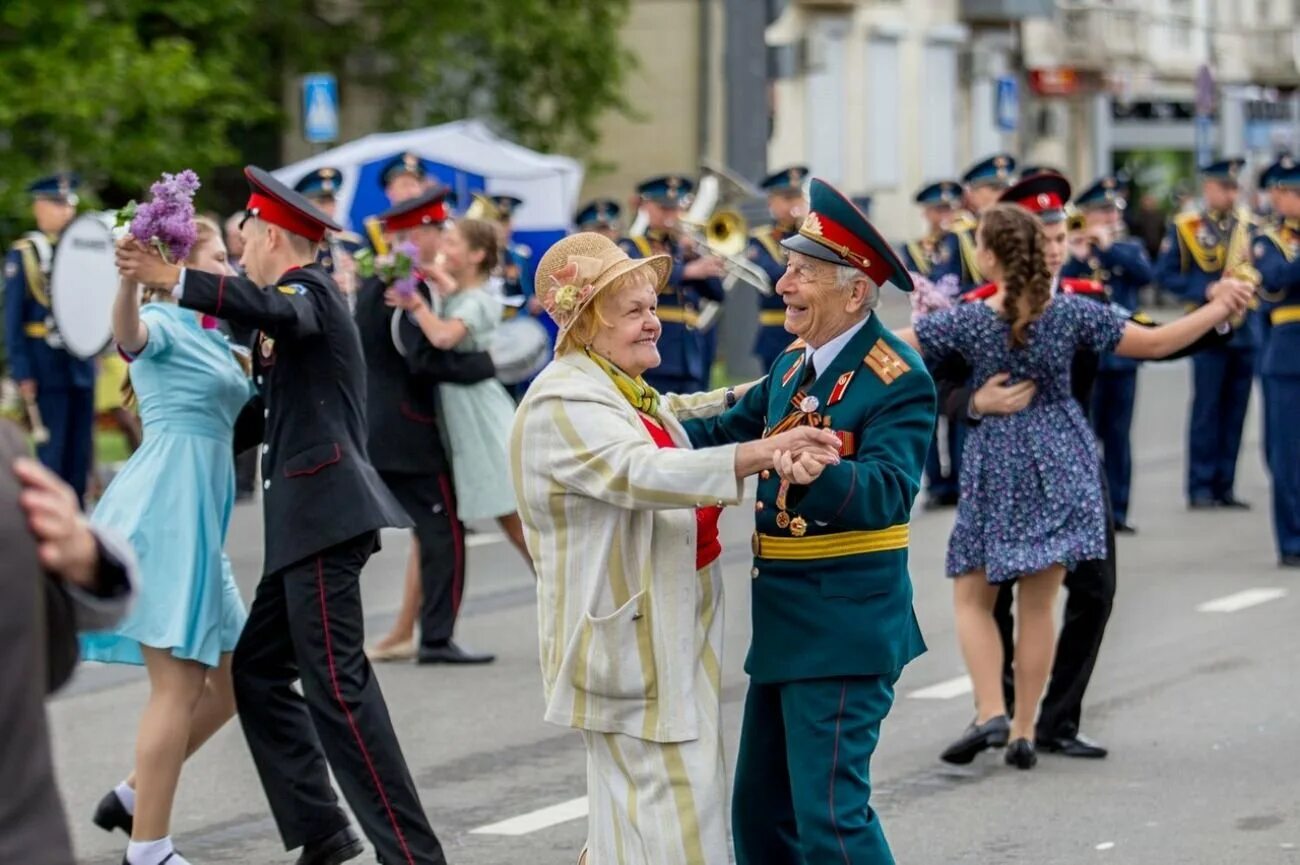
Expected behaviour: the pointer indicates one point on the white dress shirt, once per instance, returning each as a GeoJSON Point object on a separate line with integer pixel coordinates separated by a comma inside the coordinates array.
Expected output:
{"type": "Point", "coordinates": [821, 358]}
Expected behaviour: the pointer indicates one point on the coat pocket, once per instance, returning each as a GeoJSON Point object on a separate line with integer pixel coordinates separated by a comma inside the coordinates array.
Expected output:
{"type": "Point", "coordinates": [857, 585]}
{"type": "Point", "coordinates": [616, 654]}
{"type": "Point", "coordinates": [312, 460]}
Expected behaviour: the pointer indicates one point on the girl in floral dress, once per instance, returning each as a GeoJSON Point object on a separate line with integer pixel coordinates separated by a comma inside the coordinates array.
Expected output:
{"type": "Point", "coordinates": [1031, 504]}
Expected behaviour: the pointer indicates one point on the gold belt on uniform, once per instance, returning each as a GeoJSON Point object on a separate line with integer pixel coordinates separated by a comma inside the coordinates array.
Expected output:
{"type": "Point", "coordinates": [772, 317]}
{"type": "Point", "coordinates": [36, 329]}
{"type": "Point", "coordinates": [835, 545]}
{"type": "Point", "coordinates": [1284, 315]}
{"type": "Point", "coordinates": [678, 315]}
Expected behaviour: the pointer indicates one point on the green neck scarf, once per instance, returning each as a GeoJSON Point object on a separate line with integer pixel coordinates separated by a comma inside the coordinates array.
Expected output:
{"type": "Point", "coordinates": [642, 396]}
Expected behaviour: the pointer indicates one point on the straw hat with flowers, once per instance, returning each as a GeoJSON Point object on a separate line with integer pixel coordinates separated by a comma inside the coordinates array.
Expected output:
{"type": "Point", "coordinates": [576, 269]}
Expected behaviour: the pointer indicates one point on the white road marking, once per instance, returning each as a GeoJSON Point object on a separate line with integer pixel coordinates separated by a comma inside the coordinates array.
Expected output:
{"type": "Point", "coordinates": [526, 824]}
{"type": "Point", "coordinates": [1106, 845]}
{"type": "Point", "coordinates": [1241, 600]}
{"type": "Point", "coordinates": [482, 540]}
{"type": "Point", "coordinates": [944, 690]}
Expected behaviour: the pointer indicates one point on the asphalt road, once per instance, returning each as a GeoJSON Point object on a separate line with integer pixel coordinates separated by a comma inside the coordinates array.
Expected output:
{"type": "Point", "coordinates": [1200, 707]}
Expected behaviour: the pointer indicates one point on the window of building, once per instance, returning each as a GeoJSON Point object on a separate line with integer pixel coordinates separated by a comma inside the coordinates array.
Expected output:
{"type": "Point", "coordinates": [939, 110]}
{"type": "Point", "coordinates": [826, 103]}
{"type": "Point", "coordinates": [884, 111]}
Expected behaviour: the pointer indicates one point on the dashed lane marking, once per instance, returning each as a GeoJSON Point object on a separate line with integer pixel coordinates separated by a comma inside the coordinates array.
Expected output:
{"type": "Point", "coordinates": [1241, 600]}
{"type": "Point", "coordinates": [535, 821]}
{"type": "Point", "coordinates": [944, 690]}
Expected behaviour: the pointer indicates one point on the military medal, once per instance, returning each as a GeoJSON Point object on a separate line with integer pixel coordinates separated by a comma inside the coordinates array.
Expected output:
{"type": "Point", "coordinates": [808, 404]}
{"type": "Point", "coordinates": [782, 520]}
{"type": "Point", "coordinates": [798, 527]}
{"type": "Point", "coordinates": [841, 385]}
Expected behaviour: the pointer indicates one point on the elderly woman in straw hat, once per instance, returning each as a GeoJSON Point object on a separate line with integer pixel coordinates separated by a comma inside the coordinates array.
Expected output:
{"type": "Point", "coordinates": [621, 518]}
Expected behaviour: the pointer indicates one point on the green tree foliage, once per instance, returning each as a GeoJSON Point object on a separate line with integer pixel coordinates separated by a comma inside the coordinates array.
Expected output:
{"type": "Point", "coordinates": [121, 90]}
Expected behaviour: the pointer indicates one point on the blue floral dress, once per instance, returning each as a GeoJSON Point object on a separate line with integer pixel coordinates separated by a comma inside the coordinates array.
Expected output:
{"type": "Point", "coordinates": [174, 497]}
{"type": "Point", "coordinates": [1030, 482]}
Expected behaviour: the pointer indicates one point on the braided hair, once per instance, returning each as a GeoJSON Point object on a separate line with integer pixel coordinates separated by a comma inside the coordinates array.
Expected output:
{"type": "Point", "coordinates": [1014, 236]}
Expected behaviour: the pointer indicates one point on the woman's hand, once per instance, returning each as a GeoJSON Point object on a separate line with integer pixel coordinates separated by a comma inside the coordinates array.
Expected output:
{"type": "Point", "coordinates": [1234, 295]}
{"type": "Point", "coordinates": [820, 444]}
{"type": "Point", "coordinates": [801, 470]}
{"type": "Point", "coordinates": [138, 262]}
{"type": "Point", "coordinates": [443, 282]}
{"type": "Point", "coordinates": [411, 302]}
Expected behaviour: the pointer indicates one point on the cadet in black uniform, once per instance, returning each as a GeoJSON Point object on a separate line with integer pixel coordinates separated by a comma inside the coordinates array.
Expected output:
{"type": "Point", "coordinates": [402, 372]}
{"type": "Point", "coordinates": [324, 506]}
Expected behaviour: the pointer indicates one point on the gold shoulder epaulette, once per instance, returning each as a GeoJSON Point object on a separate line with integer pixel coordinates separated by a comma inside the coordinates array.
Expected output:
{"type": "Point", "coordinates": [761, 231]}
{"type": "Point", "coordinates": [886, 363]}
{"type": "Point", "coordinates": [963, 221]}
{"type": "Point", "coordinates": [797, 345]}
{"type": "Point", "coordinates": [1189, 218]}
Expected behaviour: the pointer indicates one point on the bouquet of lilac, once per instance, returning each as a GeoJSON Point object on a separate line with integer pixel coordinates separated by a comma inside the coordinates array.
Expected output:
{"type": "Point", "coordinates": [396, 268]}
{"type": "Point", "coordinates": [166, 221]}
{"type": "Point", "coordinates": [930, 297]}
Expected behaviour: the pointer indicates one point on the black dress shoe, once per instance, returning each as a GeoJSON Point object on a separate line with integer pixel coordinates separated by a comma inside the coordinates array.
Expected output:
{"type": "Point", "coordinates": [332, 849]}
{"type": "Point", "coordinates": [450, 653]}
{"type": "Point", "coordinates": [1123, 528]}
{"type": "Point", "coordinates": [111, 814]}
{"type": "Point", "coordinates": [1231, 501]}
{"type": "Point", "coordinates": [1202, 503]}
{"type": "Point", "coordinates": [941, 501]}
{"type": "Point", "coordinates": [1071, 746]}
{"type": "Point", "coordinates": [1289, 561]}
{"type": "Point", "coordinates": [992, 733]}
{"type": "Point", "coordinates": [1021, 754]}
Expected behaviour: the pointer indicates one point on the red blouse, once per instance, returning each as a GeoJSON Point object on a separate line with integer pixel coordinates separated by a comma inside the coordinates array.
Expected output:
{"type": "Point", "coordinates": [707, 545]}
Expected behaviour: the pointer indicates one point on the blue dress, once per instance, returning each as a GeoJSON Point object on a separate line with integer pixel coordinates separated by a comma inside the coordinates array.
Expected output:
{"type": "Point", "coordinates": [174, 497]}
{"type": "Point", "coordinates": [1030, 482]}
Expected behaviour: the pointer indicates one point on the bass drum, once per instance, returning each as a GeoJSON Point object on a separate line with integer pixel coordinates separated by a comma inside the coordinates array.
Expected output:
{"type": "Point", "coordinates": [521, 348]}
{"type": "Point", "coordinates": [83, 285]}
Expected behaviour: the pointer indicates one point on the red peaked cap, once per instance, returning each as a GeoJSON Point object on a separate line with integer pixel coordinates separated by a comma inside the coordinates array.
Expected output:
{"type": "Point", "coordinates": [428, 209]}
{"type": "Point", "coordinates": [1043, 194]}
{"type": "Point", "coordinates": [271, 201]}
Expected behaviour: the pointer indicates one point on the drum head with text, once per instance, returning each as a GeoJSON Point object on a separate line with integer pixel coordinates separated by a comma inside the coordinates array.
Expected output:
{"type": "Point", "coordinates": [83, 285]}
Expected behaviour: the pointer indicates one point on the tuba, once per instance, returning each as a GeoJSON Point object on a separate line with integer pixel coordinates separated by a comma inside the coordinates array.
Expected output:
{"type": "Point", "coordinates": [721, 230]}
{"type": "Point", "coordinates": [483, 207]}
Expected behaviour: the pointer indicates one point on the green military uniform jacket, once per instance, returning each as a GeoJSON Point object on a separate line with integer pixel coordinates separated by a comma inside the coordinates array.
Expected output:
{"type": "Point", "coordinates": [832, 596]}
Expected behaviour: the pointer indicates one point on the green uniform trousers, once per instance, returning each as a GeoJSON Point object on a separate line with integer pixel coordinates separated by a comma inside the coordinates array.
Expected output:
{"type": "Point", "coordinates": [803, 776]}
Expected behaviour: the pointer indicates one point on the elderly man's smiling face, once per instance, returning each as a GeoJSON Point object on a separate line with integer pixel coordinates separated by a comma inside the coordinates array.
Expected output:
{"type": "Point", "coordinates": [820, 303]}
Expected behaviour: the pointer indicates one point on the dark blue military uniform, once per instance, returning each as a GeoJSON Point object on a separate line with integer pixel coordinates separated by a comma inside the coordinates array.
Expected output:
{"type": "Point", "coordinates": [1196, 252]}
{"type": "Point", "coordinates": [323, 184]}
{"type": "Point", "coordinates": [999, 171]}
{"type": "Point", "coordinates": [1277, 257]}
{"type": "Point", "coordinates": [683, 348]}
{"type": "Point", "coordinates": [934, 257]}
{"type": "Point", "coordinates": [65, 384]}
{"type": "Point", "coordinates": [1123, 269]}
{"type": "Point", "coordinates": [766, 252]}
{"type": "Point", "coordinates": [832, 599]}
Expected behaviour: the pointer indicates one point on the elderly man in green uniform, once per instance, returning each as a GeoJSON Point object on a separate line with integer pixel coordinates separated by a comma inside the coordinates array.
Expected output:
{"type": "Point", "coordinates": [832, 600]}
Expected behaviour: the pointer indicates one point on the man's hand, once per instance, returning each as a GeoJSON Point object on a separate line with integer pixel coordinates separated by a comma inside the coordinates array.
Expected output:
{"type": "Point", "coordinates": [64, 543]}
{"type": "Point", "coordinates": [411, 301]}
{"type": "Point", "coordinates": [708, 267]}
{"type": "Point", "coordinates": [814, 442]}
{"type": "Point", "coordinates": [144, 265]}
{"type": "Point", "coordinates": [801, 470]}
{"type": "Point", "coordinates": [1234, 294]}
{"type": "Point", "coordinates": [996, 397]}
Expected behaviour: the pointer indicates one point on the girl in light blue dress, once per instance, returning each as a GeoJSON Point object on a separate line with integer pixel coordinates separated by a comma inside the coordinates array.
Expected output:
{"type": "Point", "coordinates": [173, 500]}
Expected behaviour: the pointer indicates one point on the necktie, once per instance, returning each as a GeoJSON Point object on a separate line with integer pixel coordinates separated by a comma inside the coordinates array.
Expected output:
{"type": "Point", "coordinates": [809, 373]}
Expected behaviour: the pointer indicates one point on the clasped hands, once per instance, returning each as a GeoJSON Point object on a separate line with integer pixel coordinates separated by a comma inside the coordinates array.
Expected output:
{"type": "Point", "coordinates": [144, 265]}
{"type": "Point", "coordinates": [1234, 294]}
{"type": "Point", "coordinates": [801, 454]}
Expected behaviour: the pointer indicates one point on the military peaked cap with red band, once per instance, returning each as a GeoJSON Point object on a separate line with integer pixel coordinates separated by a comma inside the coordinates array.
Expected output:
{"type": "Point", "coordinates": [271, 201]}
{"type": "Point", "coordinates": [428, 209]}
{"type": "Point", "coordinates": [1043, 194]}
{"type": "Point", "coordinates": [836, 231]}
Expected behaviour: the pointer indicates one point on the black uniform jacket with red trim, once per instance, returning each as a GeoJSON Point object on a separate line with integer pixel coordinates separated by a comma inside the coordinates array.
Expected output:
{"type": "Point", "coordinates": [319, 488]}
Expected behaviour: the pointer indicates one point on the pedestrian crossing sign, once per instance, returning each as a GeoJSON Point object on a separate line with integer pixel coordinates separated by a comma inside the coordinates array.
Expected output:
{"type": "Point", "coordinates": [320, 108]}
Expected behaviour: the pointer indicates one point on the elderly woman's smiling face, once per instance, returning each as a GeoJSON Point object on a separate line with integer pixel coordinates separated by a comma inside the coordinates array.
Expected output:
{"type": "Point", "coordinates": [629, 327]}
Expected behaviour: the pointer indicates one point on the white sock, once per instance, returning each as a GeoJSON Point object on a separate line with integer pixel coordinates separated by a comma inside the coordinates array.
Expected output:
{"type": "Point", "coordinates": [151, 852]}
{"type": "Point", "coordinates": [126, 796]}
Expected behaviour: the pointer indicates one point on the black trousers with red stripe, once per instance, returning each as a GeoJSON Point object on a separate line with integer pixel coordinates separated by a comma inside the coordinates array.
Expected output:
{"type": "Point", "coordinates": [430, 501]}
{"type": "Point", "coordinates": [306, 623]}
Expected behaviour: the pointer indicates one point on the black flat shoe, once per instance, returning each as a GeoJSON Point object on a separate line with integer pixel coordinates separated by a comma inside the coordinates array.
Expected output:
{"type": "Point", "coordinates": [169, 857]}
{"type": "Point", "coordinates": [1202, 504]}
{"type": "Point", "coordinates": [450, 653]}
{"type": "Point", "coordinates": [1289, 561]}
{"type": "Point", "coordinates": [1232, 502]}
{"type": "Point", "coordinates": [332, 849]}
{"type": "Point", "coordinates": [1071, 746]}
{"type": "Point", "coordinates": [1021, 754]}
{"type": "Point", "coordinates": [1125, 529]}
{"type": "Point", "coordinates": [993, 733]}
{"type": "Point", "coordinates": [111, 814]}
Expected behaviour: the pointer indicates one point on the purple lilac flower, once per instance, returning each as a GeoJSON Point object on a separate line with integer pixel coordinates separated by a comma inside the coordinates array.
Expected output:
{"type": "Point", "coordinates": [928, 297]}
{"type": "Point", "coordinates": [167, 220]}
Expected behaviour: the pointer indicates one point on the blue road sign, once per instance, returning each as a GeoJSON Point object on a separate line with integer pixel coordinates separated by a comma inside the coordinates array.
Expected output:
{"type": "Point", "coordinates": [320, 108]}
{"type": "Point", "coordinates": [1007, 106]}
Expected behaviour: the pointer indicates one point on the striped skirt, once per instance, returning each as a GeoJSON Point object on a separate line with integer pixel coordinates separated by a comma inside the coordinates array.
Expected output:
{"type": "Point", "coordinates": [666, 804]}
